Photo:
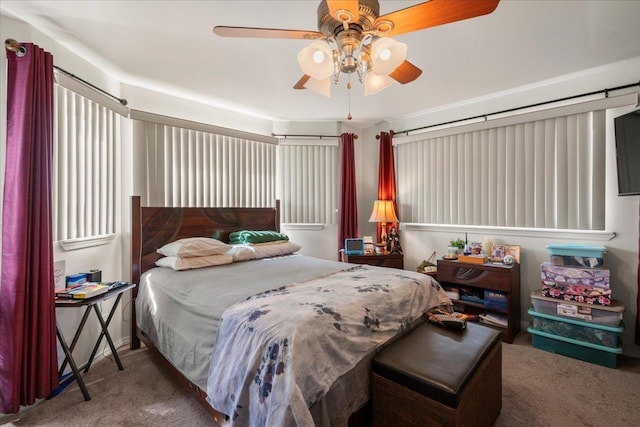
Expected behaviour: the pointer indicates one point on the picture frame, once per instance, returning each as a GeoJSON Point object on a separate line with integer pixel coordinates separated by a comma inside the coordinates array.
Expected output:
{"type": "Point", "coordinates": [499, 251]}
{"type": "Point", "coordinates": [513, 250]}
{"type": "Point", "coordinates": [59, 281]}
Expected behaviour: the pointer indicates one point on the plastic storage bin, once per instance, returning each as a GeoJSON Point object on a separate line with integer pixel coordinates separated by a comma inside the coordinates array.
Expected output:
{"type": "Point", "coordinates": [572, 255]}
{"type": "Point", "coordinates": [587, 285]}
{"type": "Point", "coordinates": [578, 330]}
{"type": "Point", "coordinates": [603, 356]}
{"type": "Point", "coordinates": [601, 315]}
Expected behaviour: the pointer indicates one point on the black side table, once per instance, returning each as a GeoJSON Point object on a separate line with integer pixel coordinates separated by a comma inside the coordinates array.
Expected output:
{"type": "Point", "coordinates": [89, 303]}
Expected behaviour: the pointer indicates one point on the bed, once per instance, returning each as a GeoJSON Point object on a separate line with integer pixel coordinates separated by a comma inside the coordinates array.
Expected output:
{"type": "Point", "coordinates": [284, 340]}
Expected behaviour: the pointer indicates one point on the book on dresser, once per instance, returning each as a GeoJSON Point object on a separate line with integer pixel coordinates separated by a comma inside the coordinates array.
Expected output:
{"type": "Point", "coordinates": [87, 290]}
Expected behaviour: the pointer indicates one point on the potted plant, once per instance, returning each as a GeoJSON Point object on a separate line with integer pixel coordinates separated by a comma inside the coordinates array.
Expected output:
{"type": "Point", "coordinates": [456, 246]}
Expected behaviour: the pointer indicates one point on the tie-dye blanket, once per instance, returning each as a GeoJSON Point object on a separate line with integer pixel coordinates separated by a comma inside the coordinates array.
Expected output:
{"type": "Point", "coordinates": [279, 352]}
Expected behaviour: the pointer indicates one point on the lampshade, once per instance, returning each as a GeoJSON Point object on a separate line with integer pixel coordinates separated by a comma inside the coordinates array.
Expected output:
{"type": "Point", "coordinates": [316, 60]}
{"type": "Point", "coordinates": [383, 211]}
{"type": "Point", "coordinates": [386, 55]}
{"type": "Point", "coordinates": [323, 87]}
{"type": "Point", "coordinates": [375, 83]}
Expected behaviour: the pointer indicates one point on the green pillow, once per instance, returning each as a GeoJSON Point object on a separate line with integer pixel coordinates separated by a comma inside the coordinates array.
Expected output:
{"type": "Point", "coordinates": [247, 236]}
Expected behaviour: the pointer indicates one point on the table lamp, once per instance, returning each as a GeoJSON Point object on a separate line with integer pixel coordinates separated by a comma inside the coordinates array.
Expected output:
{"type": "Point", "coordinates": [383, 212]}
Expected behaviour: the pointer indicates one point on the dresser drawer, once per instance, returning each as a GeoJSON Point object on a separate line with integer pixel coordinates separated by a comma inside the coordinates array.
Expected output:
{"type": "Point", "coordinates": [480, 277]}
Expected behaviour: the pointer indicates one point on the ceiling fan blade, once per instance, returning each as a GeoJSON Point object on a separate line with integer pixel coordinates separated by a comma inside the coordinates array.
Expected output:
{"type": "Point", "coordinates": [300, 85]}
{"type": "Point", "coordinates": [434, 13]}
{"type": "Point", "coordinates": [266, 33]}
{"type": "Point", "coordinates": [348, 10]}
{"type": "Point", "coordinates": [405, 73]}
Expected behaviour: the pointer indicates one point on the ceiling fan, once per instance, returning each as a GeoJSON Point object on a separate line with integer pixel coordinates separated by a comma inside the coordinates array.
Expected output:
{"type": "Point", "coordinates": [352, 37]}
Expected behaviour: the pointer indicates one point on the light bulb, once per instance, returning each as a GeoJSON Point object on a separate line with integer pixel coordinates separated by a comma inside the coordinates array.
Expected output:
{"type": "Point", "coordinates": [385, 54]}
{"type": "Point", "coordinates": [318, 57]}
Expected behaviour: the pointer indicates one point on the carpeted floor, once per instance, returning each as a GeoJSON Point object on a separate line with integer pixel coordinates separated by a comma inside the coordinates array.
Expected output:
{"type": "Point", "coordinates": [539, 389]}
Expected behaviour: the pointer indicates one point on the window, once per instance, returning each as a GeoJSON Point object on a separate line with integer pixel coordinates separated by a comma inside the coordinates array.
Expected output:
{"type": "Point", "coordinates": [195, 165]}
{"type": "Point", "coordinates": [308, 181]}
{"type": "Point", "coordinates": [86, 145]}
{"type": "Point", "coordinates": [544, 169]}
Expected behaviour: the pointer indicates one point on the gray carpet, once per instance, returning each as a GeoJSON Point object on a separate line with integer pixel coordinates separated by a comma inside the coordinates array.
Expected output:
{"type": "Point", "coordinates": [539, 389]}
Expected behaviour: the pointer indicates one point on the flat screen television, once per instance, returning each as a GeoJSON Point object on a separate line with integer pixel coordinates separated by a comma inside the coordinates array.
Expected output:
{"type": "Point", "coordinates": [627, 129]}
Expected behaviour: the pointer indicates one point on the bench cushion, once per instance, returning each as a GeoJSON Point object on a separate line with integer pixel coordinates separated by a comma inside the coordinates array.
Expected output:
{"type": "Point", "coordinates": [435, 361]}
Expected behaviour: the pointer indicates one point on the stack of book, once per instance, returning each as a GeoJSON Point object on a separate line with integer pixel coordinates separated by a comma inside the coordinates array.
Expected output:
{"type": "Point", "coordinates": [84, 291]}
{"type": "Point", "coordinates": [495, 319]}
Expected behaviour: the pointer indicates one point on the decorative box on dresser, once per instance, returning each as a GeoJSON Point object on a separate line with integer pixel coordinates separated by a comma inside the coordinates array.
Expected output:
{"type": "Point", "coordinates": [381, 260]}
{"type": "Point", "coordinates": [486, 277]}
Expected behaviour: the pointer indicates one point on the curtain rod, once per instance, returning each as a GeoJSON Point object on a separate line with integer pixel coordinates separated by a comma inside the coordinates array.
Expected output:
{"type": "Point", "coordinates": [15, 46]}
{"type": "Point", "coordinates": [605, 91]}
{"type": "Point", "coordinates": [285, 136]}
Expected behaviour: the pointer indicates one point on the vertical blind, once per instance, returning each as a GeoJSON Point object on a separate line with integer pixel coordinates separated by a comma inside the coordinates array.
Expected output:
{"type": "Point", "coordinates": [308, 182]}
{"type": "Point", "coordinates": [84, 191]}
{"type": "Point", "coordinates": [194, 168]}
{"type": "Point", "coordinates": [541, 173]}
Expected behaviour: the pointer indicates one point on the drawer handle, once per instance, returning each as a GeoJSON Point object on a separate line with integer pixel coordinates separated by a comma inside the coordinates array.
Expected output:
{"type": "Point", "coordinates": [467, 273]}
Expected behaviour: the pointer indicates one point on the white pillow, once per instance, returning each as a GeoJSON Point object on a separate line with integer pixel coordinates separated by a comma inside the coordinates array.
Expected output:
{"type": "Point", "coordinates": [194, 247]}
{"type": "Point", "coordinates": [275, 249]}
{"type": "Point", "coordinates": [178, 263]}
{"type": "Point", "coordinates": [241, 252]}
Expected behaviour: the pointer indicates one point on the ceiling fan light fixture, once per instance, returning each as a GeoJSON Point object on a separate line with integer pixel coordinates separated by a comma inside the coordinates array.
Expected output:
{"type": "Point", "coordinates": [387, 54]}
{"type": "Point", "coordinates": [374, 83]}
{"type": "Point", "coordinates": [322, 87]}
{"type": "Point", "coordinates": [316, 60]}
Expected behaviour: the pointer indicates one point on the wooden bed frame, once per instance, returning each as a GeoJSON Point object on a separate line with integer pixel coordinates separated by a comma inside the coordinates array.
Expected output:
{"type": "Point", "coordinates": [153, 227]}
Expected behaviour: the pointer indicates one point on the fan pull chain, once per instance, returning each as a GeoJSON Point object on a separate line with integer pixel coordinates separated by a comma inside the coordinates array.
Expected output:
{"type": "Point", "coordinates": [349, 95]}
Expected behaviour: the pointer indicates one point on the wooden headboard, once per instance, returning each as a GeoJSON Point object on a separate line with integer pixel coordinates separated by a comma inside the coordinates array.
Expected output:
{"type": "Point", "coordinates": [153, 227]}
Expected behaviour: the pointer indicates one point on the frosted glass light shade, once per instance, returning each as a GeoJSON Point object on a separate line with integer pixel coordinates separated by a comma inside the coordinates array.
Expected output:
{"type": "Point", "coordinates": [316, 60]}
{"type": "Point", "coordinates": [387, 54]}
{"type": "Point", "coordinates": [375, 83]}
{"type": "Point", "coordinates": [323, 87]}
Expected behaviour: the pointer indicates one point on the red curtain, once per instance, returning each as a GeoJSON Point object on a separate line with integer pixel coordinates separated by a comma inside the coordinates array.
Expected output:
{"type": "Point", "coordinates": [386, 176]}
{"type": "Point", "coordinates": [28, 358]}
{"type": "Point", "coordinates": [348, 214]}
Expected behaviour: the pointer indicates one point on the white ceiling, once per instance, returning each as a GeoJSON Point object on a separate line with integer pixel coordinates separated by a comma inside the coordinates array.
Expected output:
{"type": "Point", "coordinates": [169, 46]}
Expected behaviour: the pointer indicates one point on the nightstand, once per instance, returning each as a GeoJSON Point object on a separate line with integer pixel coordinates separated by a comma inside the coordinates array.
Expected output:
{"type": "Point", "coordinates": [381, 260]}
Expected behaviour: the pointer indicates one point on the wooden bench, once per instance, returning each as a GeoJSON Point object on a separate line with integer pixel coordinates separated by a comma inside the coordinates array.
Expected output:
{"type": "Point", "coordinates": [439, 377]}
